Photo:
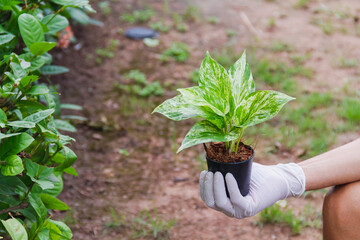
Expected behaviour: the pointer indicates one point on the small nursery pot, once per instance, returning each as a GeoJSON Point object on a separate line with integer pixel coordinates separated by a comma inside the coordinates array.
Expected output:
{"type": "Point", "coordinates": [240, 170]}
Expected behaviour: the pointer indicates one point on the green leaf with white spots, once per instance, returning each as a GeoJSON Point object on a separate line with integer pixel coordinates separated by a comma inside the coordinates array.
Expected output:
{"type": "Point", "coordinates": [205, 131]}
{"type": "Point", "coordinates": [21, 124]}
{"type": "Point", "coordinates": [216, 79]}
{"type": "Point", "coordinates": [3, 118]}
{"type": "Point", "coordinates": [259, 107]}
{"type": "Point", "coordinates": [242, 83]}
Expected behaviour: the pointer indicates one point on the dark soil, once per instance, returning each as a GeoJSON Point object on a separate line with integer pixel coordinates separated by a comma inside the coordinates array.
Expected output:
{"type": "Point", "coordinates": [218, 152]}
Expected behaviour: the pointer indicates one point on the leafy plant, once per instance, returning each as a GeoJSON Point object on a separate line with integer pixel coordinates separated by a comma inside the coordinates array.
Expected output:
{"type": "Point", "coordinates": [160, 26]}
{"type": "Point", "coordinates": [178, 51]}
{"type": "Point", "coordinates": [226, 100]}
{"type": "Point", "coordinates": [34, 154]}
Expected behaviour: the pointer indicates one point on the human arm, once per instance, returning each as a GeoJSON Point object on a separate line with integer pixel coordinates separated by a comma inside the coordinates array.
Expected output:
{"type": "Point", "coordinates": [338, 166]}
{"type": "Point", "coordinates": [272, 183]}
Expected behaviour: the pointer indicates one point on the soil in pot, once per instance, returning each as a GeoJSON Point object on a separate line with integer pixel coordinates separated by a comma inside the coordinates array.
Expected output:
{"type": "Point", "coordinates": [217, 152]}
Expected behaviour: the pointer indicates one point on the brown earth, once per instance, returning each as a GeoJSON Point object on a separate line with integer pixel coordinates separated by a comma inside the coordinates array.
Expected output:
{"type": "Point", "coordinates": [218, 152]}
{"type": "Point", "coordinates": [152, 176]}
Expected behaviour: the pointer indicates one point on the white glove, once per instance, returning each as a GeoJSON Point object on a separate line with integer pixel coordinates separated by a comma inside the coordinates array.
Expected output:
{"type": "Point", "coordinates": [268, 184]}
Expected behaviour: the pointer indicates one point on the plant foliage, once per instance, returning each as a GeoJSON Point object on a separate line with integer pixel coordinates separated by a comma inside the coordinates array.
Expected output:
{"type": "Point", "coordinates": [226, 100]}
{"type": "Point", "coordinates": [33, 153]}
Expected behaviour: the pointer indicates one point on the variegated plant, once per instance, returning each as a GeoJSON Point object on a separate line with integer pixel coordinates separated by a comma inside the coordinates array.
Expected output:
{"type": "Point", "coordinates": [226, 100]}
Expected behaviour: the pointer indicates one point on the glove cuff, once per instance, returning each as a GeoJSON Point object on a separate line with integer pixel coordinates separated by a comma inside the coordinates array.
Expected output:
{"type": "Point", "coordinates": [295, 178]}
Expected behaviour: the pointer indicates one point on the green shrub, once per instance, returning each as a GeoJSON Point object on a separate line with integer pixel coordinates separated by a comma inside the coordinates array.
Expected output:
{"type": "Point", "coordinates": [178, 51]}
{"type": "Point", "coordinates": [34, 155]}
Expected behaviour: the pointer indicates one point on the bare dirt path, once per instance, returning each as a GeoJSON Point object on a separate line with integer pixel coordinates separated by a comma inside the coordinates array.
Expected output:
{"type": "Point", "coordinates": [111, 186]}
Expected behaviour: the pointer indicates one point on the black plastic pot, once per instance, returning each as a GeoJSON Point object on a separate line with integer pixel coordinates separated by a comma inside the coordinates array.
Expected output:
{"type": "Point", "coordinates": [240, 170]}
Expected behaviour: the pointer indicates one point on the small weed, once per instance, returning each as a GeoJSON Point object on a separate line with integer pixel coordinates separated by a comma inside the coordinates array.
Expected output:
{"type": "Point", "coordinates": [142, 87]}
{"type": "Point", "coordinates": [146, 223]}
{"type": "Point", "coordinates": [123, 152]}
{"type": "Point", "coordinates": [279, 46]}
{"type": "Point", "coordinates": [343, 29]}
{"type": "Point", "coordinates": [347, 63]}
{"type": "Point", "coordinates": [350, 110]}
{"type": "Point", "coordinates": [299, 59]}
{"type": "Point", "coordinates": [327, 27]}
{"type": "Point", "coordinates": [192, 13]}
{"type": "Point", "coordinates": [271, 22]}
{"type": "Point", "coordinates": [178, 51]}
{"type": "Point", "coordinates": [230, 33]}
{"type": "Point", "coordinates": [160, 26]}
{"type": "Point", "coordinates": [138, 16]}
{"type": "Point", "coordinates": [179, 23]}
{"type": "Point", "coordinates": [105, 7]}
{"type": "Point", "coordinates": [276, 214]}
{"type": "Point", "coordinates": [194, 76]}
{"type": "Point", "coordinates": [108, 52]}
{"type": "Point", "coordinates": [213, 20]}
{"type": "Point", "coordinates": [302, 4]}
{"type": "Point", "coordinates": [136, 75]}
{"type": "Point", "coordinates": [318, 100]}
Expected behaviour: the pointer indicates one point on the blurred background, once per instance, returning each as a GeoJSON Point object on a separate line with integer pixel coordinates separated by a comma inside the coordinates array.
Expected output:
{"type": "Point", "coordinates": [132, 184]}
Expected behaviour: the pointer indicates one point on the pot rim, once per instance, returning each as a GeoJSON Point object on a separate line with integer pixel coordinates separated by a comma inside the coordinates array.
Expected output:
{"type": "Point", "coordinates": [233, 163]}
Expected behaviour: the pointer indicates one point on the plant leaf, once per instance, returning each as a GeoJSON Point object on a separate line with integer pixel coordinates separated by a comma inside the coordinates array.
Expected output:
{"type": "Point", "coordinates": [57, 24]}
{"type": "Point", "coordinates": [15, 229]}
{"type": "Point", "coordinates": [259, 107]}
{"type": "Point", "coordinates": [30, 29]}
{"type": "Point", "coordinates": [215, 77]}
{"type": "Point", "coordinates": [5, 38]}
{"type": "Point", "coordinates": [38, 90]}
{"type": "Point", "coordinates": [13, 166]}
{"type": "Point", "coordinates": [3, 118]}
{"type": "Point", "coordinates": [205, 131]}
{"type": "Point", "coordinates": [38, 205]}
{"type": "Point", "coordinates": [21, 124]}
{"type": "Point", "coordinates": [15, 144]}
{"type": "Point", "coordinates": [65, 231]}
{"type": "Point", "coordinates": [39, 48]}
{"type": "Point", "coordinates": [242, 83]}
{"type": "Point", "coordinates": [178, 109]}
{"type": "Point", "coordinates": [39, 116]}
{"type": "Point", "coordinates": [53, 70]}
{"type": "Point", "coordinates": [53, 203]}
{"type": "Point", "coordinates": [64, 125]}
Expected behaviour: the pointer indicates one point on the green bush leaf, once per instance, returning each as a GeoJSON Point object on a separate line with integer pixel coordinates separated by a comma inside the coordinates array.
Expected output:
{"type": "Point", "coordinates": [37, 63]}
{"type": "Point", "coordinates": [5, 38]}
{"type": "Point", "coordinates": [15, 229]}
{"type": "Point", "coordinates": [53, 203]}
{"type": "Point", "coordinates": [70, 106]}
{"type": "Point", "coordinates": [205, 131]}
{"type": "Point", "coordinates": [15, 144]}
{"type": "Point", "coordinates": [75, 3]}
{"type": "Point", "coordinates": [18, 71]}
{"type": "Point", "coordinates": [13, 166]}
{"type": "Point", "coordinates": [38, 205]}
{"type": "Point", "coordinates": [57, 24]}
{"type": "Point", "coordinates": [65, 231]}
{"type": "Point", "coordinates": [38, 90]}
{"type": "Point", "coordinates": [53, 70]}
{"type": "Point", "coordinates": [259, 107]}
{"type": "Point", "coordinates": [21, 124]}
{"type": "Point", "coordinates": [3, 136]}
{"type": "Point", "coordinates": [242, 83]}
{"type": "Point", "coordinates": [71, 171]}
{"type": "Point", "coordinates": [39, 116]}
{"type": "Point", "coordinates": [64, 125]}
{"type": "Point", "coordinates": [3, 118]}
{"type": "Point", "coordinates": [39, 48]}
{"type": "Point", "coordinates": [30, 29]}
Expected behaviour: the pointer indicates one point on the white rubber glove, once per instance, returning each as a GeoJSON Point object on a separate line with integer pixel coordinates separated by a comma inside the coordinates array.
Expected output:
{"type": "Point", "coordinates": [268, 184]}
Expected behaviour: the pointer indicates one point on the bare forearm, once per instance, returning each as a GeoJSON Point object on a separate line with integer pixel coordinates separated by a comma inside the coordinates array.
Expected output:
{"type": "Point", "coordinates": [338, 166]}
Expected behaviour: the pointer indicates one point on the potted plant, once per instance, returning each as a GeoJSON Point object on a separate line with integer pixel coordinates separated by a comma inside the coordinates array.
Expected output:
{"type": "Point", "coordinates": [227, 102]}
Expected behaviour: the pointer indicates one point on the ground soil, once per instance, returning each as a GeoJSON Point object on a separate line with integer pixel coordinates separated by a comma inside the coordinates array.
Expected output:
{"type": "Point", "coordinates": [152, 176]}
{"type": "Point", "coordinates": [219, 153]}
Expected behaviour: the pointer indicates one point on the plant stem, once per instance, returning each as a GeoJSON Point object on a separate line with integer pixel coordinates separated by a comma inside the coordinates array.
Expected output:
{"type": "Point", "coordinates": [22, 205]}
{"type": "Point", "coordinates": [237, 145]}
{"type": "Point", "coordinates": [57, 12]}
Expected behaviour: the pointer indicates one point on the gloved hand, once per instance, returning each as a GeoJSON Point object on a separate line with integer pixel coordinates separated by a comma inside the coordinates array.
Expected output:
{"type": "Point", "coordinates": [268, 184]}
